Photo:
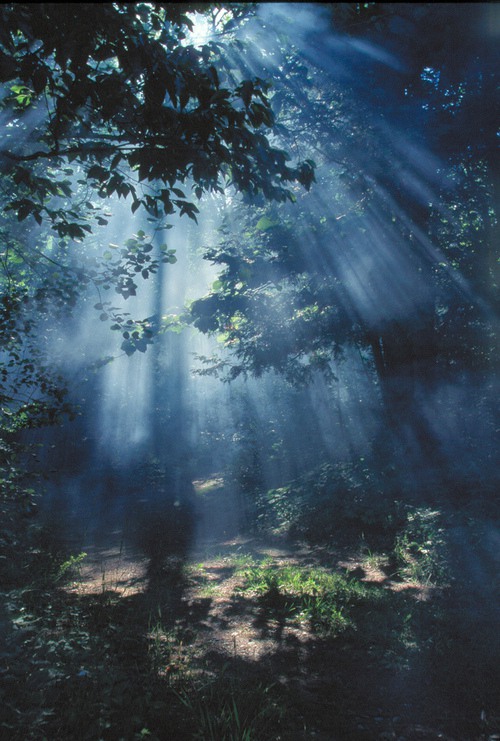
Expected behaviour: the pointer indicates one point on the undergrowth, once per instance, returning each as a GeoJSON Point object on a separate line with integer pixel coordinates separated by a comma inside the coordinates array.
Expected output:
{"type": "Point", "coordinates": [328, 499]}
{"type": "Point", "coordinates": [346, 502]}
{"type": "Point", "coordinates": [115, 665]}
{"type": "Point", "coordinates": [420, 547]}
{"type": "Point", "coordinates": [225, 708]}
{"type": "Point", "coordinates": [320, 597]}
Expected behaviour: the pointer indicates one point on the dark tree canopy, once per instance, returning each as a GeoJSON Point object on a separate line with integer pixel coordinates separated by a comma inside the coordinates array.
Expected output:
{"type": "Point", "coordinates": [104, 101]}
{"type": "Point", "coordinates": [404, 131]}
{"type": "Point", "coordinates": [112, 87]}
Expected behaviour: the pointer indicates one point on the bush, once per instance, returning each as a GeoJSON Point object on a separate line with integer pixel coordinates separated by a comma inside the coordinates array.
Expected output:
{"type": "Point", "coordinates": [329, 500]}
{"type": "Point", "coordinates": [420, 546]}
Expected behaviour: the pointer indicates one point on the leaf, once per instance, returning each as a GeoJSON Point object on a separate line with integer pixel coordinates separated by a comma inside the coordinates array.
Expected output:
{"type": "Point", "coordinates": [97, 172]}
{"type": "Point", "coordinates": [128, 347]}
{"type": "Point", "coordinates": [24, 209]}
{"type": "Point", "coordinates": [116, 161]}
{"type": "Point", "coordinates": [245, 91]}
{"type": "Point", "coordinates": [266, 223]}
{"type": "Point", "coordinates": [213, 74]}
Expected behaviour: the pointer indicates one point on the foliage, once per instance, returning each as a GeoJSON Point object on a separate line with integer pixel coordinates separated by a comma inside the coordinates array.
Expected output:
{"type": "Point", "coordinates": [102, 104]}
{"type": "Point", "coordinates": [325, 501]}
{"type": "Point", "coordinates": [292, 291]}
{"type": "Point", "coordinates": [322, 598]}
{"type": "Point", "coordinates": [19, 493]}
{"type": "Point", "coordinates": [420, 546]}
{"type": "Point", "coordinates": [71, 567]}
{"type": "Point", "coordinates": [223, 709]}
{"type": "Point", "coordinates": [31, 393]}
{"type": "Point", "coordinates": [127, 109]}
{"type": "Point", "coordinates": [126, 99]}
{"type": "Point", "coordinates": [271, 306]}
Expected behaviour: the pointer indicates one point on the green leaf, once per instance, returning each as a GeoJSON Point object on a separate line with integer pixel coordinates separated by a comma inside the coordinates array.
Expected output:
{"type": "Point", "coordinates": [266, 223]}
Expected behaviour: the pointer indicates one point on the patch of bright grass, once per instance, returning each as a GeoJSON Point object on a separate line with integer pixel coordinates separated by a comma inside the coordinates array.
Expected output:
{"type": "Point", "coordinates": [239, 561]}
{"type": "Point", "coordinates": [374, 560]}
{"type": "Point", "coordinates": [316, 595]}
{"type": "Point", "coordinates": [71, 568]}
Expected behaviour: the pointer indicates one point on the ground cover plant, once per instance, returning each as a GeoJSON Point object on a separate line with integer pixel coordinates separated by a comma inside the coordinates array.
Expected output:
{"type": "Point", "coordinates": [250, 641]}
{"type": "Point", "coordinates": [322, 598]}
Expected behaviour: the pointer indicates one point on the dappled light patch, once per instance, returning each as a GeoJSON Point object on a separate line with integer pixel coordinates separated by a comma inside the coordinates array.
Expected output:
{"type": "Point", "coordinates": [265, 633]}
{"type": "Point", "coordinates": [204, 487]}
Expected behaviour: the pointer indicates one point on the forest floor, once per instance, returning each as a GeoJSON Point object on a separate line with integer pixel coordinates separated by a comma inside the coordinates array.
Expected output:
{"type": "Point", "coordinates": [237, 642]}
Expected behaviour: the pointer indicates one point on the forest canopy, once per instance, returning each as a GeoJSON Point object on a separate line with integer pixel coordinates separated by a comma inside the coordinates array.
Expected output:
{"type": "Point", "coordinates": [103, 100]}
{"type": "Point", "coordinates": [117, 101]}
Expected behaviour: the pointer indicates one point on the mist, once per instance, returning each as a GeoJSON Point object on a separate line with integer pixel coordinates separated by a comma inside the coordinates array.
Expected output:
{"type": "Point", "coordinates": [155, 408]}
{"type": "Point", "coordinates": [313, 373]}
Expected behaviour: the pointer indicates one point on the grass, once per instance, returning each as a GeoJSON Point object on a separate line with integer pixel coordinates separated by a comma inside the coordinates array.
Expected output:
{"type": "Point", "coordinates": [238, 561]}
{"type": "Point", "coordinates": [375, 560]}
{"type": "Point", "coordinates": [205, 487]}
{"type": "Point", "coordinates": [169, 651]}
{"type": "Point", "coordinates": [195, 575]}
{"type": "Point", "coordinates": [225, 708]}
{"type": "Point", "coordinates": [322, 598]}
{"type": "Point", "coordinates": [135, 665]}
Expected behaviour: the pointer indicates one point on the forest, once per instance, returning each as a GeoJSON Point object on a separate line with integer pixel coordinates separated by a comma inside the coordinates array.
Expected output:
{"type": "Point", "coordinates": [249, 371]}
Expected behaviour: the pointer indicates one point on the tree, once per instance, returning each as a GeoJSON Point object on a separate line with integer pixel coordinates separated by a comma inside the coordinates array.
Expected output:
{"type": "Point", "coordinates": [283, 300]}
{"type": "Point", "coordinates": [122, 95]}
{"type": "Point", "coordinates": [104, 101]}
{"type": "Point", "coordinates": [395, 253]}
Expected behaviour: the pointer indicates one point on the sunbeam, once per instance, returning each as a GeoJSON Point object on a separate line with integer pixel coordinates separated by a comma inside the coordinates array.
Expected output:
{"type": "Point", "coordinates": [248, 352]}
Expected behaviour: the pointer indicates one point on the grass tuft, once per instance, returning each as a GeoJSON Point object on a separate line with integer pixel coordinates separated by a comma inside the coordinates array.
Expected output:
{"type": "Point", "coordinates": [322, 598]}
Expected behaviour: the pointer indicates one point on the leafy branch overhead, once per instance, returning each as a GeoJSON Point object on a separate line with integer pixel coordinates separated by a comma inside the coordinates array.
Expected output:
{"type": "Point", "coordinates": [104, 102]}
{"type": "Point", "coordinates": [111, 89]}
